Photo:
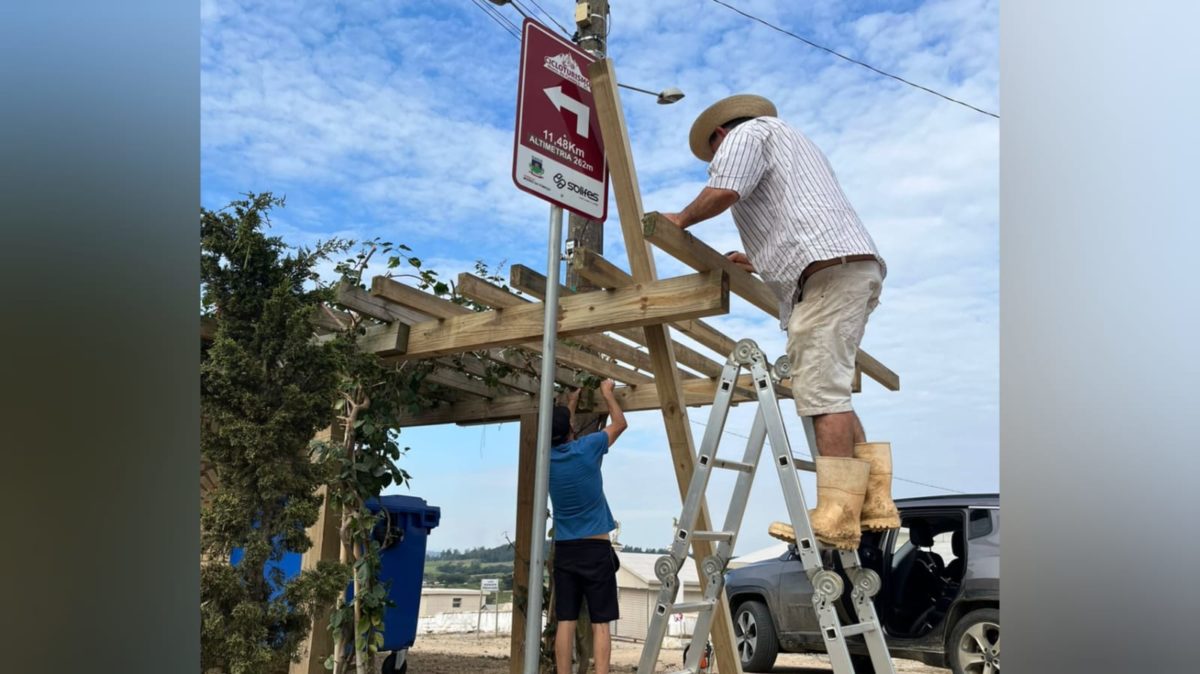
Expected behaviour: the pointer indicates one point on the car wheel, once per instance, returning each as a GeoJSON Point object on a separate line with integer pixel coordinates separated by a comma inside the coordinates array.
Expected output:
{"type": "Point", "coordinates": [389, 665]}
{"type": "Point", "coordinates": [974, 646]}
{"type": "Point", "coordinates": [754, 634]}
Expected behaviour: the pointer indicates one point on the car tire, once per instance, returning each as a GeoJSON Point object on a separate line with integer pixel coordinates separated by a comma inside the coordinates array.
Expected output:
{"type": "Point", "coordinates": [974, 646]}
{"type": "Point", "coordinates": [754, 635]}
{"type": "Point", "coordinates": [389, 665]}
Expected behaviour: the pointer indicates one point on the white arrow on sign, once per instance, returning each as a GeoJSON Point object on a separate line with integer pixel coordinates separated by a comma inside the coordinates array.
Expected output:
{"type": "Point", "coordinates": [561, 100]}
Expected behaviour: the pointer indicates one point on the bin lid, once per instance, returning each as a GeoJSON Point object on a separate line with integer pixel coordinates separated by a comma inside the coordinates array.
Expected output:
{"type": "Point", "coordinates": [429, 516]}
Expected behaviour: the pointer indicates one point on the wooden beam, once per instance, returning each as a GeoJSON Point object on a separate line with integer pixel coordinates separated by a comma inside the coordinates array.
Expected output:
{"type": "Point", "coordinates": [494, 296]}
{"type": "Point", "coordinates": [353, 297]}
{"type": "Point", "coordinates": [528, 281]}
{"type": "Point", "coordinates": [513, 380]}
{"type": "Point", "coordinates": [670, 390]}
{"type": "Point", "coordinates": [647, 303]}
{"type": "Point", "coordinates": [877, 371]}
{"type": "Point", "coordinates": [600, 271]}
{"type": "Point", "coordinates": [700, 256]}
{"type": "Point", "coordinates": [526, 467]}
{"type": "Point", "coordinates": [696, 393]}
{"type": "Point", "coordinates": [568, 355]}
{"type": "Point", "coordinates": [326, 545]}
{"type": "Point", "coordinates": [696, 254]}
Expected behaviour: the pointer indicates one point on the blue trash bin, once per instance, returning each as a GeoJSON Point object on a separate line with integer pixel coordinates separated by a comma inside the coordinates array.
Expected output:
{"type": "Point", "coordinates": [402, 563]}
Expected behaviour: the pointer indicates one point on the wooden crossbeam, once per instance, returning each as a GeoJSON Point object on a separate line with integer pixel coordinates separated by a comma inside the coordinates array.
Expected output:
{"type": "Point", "coordinates": [696, 392]}
{"type": "Point", "coordinates": [494, 296]}
{"type": "Point", "coordinates": [658, 340]}
{"type": "Point", "coordinates": [529, 281]}
{"type": "Point", "coordinates": [568, 355]}
{"type": "Point", "coordinates": [649, 303]}
{"type": "Point", "coordinates": [701, 257]}
{"type": "Point", "coordinates": [605, 274]}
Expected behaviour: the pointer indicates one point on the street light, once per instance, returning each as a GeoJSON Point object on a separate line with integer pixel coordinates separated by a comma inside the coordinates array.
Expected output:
{"type": "Point", "coordinates": [665, 97]}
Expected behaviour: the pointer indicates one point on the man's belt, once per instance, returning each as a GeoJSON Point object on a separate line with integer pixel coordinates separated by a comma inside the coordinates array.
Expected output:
{"type": "Point", "coordinates": [825, 264]}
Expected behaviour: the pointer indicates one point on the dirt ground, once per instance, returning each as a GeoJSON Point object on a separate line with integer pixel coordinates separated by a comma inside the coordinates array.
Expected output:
{"type": "Point", "coordinates": [469, 654]}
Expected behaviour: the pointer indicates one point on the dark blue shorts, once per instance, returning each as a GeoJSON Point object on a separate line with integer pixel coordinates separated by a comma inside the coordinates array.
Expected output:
{"type": "Point", "coordinates": [586, 568]}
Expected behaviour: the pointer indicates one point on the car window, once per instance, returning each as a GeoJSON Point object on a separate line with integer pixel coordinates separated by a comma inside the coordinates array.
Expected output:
{"type": "Point", "coordinates": [901, 546]}
{"type": "Point", "coordinates": [980, 523]}
{"type": "Point", "coordinates": [943, 547]}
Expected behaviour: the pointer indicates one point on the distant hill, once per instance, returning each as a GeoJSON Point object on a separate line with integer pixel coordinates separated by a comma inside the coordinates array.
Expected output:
{"type": "Point", "coordinates": [465, 568]}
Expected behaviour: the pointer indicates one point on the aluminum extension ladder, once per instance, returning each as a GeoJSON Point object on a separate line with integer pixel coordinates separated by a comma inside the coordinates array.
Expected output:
{"type": "Point", "coordinates": [827, 584]}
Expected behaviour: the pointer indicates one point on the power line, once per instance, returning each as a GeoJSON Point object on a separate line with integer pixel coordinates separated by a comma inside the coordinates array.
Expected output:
{"type": "Point", "coordinates": [484, 8]}
{"type": "Point", "coordinates": [519, 9]}
{"type": "Point", "coordinates": [549, 16]}
{"type": "Point", "coordinates": [806, 456]}
{"type": "Point", "coordinates": [854, 61]}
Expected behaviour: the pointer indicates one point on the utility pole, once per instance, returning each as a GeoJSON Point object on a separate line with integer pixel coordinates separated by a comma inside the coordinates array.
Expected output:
{"type": "Point", "coordinates": [591, 21]}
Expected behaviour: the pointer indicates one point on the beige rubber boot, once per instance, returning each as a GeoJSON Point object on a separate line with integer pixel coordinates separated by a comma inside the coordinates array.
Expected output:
{"type": "Point", "coordinates": [841, 487]}
{"type": "Point", "coordinates": [878, 511]}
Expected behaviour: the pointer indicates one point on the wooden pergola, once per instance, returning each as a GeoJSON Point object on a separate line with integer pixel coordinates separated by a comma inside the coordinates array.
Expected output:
{"type": "Point", "coordinates": [620, 331]}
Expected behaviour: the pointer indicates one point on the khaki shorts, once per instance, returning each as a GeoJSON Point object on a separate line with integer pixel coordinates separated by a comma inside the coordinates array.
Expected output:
{"type": "Point", "coordinates": [824, 332]}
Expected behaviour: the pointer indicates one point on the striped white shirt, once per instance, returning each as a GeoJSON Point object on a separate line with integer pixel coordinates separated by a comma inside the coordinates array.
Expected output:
{"type": "Point", "coordinates": [790, 211]}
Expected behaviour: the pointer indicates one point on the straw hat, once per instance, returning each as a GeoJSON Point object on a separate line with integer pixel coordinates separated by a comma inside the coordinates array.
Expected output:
{"type": "Point", "coordinates": [741, 105]}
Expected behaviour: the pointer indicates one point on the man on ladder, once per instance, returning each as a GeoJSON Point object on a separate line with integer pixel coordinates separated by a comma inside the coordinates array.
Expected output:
{"type": "Point", "coordinates": [805, 240]}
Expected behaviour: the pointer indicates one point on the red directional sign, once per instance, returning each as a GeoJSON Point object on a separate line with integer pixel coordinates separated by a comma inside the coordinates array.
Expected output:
{"type": "Point", "coordinates": [557, 152]}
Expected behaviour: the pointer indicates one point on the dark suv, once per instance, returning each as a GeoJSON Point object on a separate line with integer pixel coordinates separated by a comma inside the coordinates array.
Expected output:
{"type": "Point", "coordinates": [939, 602]}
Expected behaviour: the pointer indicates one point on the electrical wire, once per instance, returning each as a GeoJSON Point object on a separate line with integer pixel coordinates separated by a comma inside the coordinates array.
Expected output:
{"type": "Point", "coordinates": [854, 61]}
{"type": "Point", "coordinates": [483, 8]}
{"type": "Point", "coordinates": [808, 457]}
{"type": "Point", "coordinates": [520, 10]}
{"type": "Point", "coordinates": [552, 19]}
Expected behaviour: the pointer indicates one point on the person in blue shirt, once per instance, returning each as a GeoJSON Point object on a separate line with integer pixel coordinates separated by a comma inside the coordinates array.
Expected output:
{"type": "Point", "coordinates": [585, 564]}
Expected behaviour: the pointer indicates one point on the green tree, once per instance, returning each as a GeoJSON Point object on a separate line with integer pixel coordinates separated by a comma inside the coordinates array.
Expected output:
{"type": "Point", "coordinates": [266, 389]}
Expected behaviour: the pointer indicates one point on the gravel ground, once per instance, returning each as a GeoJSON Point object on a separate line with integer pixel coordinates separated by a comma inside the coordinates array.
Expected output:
{"type": "Point", "coordinates": [468, 654]}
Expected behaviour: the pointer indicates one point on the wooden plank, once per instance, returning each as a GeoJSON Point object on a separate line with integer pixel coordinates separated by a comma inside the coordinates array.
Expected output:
{"type": "Point", "coordinates": [646, 303]}
{"type": "Point", "coordinates": [696, 392]}
{"type": "Point", "coordinates": [326, 545]}
{"type": "Point", "coordinates": [602, 272]}
{"type": "Point", "coordinates": [512, 382]}
{"type": "Point", "coordinates": [528, 281]}
{"type": "Point", "coordinates": [494, 296]}
{"type": "Point", "coordinates": [700, 256]}
{"type": "Point", "coordinates": [670, 391]}
{"type": "Point", "coordinates": [385, 340]}
{"type": "Point", "coordinates": [696, 254]}
{"type": "Point", "coordinates": [353, 297]}
{"type": "Point", "coordinates": [526, 470]}
{"type": "Point", "coordinates": [567, 355]}
{"type": "Point", "coordinates": [877, 371]}
{"type": "Point", "coordinates": [445, 375]}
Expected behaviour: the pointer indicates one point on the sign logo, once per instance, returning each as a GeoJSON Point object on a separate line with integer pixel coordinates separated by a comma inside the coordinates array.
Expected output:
{"type": "Point", "coordinates": [535, 166]}
{"type": "Point", "coordinates": [559, 181]}
{"type": "Point", "coordinates": [564, 65]}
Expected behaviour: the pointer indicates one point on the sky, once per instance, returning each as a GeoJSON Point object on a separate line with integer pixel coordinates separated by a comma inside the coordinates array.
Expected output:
{"type": "Point", "coordinates": [395, 119]}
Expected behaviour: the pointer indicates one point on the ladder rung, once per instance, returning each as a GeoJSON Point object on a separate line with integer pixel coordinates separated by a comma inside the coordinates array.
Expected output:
{"type": "Point", "coordinates": [712, 536]}
{"type": "Point", "coordinates": [804, 464]}
{"type": "Point", "coordinates": [693, 606]}
{"type": "Point", "coordinates": [859, 628]}
{"type": "Point", "coordinates": [733, 465]}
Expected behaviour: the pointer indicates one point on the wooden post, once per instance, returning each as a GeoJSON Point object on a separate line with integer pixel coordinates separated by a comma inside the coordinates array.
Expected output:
{"type": "Point", "coordinates": [526, 465]}
{"type": "Point", "coordinates": [326, 545]}
{"type": "Point", "coordinates": [658, 340]}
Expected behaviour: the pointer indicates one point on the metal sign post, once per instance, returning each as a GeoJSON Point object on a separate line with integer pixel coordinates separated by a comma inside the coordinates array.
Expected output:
{"type": "Point", "coordinates": [558, 156]}
{"type": "Point", "coordinates": [541, 481]}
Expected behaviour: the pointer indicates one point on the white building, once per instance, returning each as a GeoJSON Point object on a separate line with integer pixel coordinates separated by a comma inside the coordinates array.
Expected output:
{"type": "Point", "coordinates": [435, 600]}
{"type": "Point", "coordinates": [637, 593]}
